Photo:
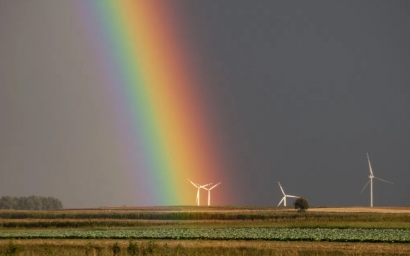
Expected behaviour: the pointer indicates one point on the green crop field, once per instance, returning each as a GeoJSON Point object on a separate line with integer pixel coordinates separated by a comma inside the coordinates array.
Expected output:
{"type": "Point", "coordinates": [278, 234]}
{"type": "Point", "coordinates": [205, 231]}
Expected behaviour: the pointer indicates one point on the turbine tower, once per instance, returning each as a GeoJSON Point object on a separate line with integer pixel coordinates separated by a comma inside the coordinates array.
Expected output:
{"type": "Point", "coordinates": [371, 176]}
{"type": "Point", "coordinates": [198, 187]}
{"type": "Point", "coordinates": [284, 196]}
{"type": "Point", "coordinates": [209, 193]}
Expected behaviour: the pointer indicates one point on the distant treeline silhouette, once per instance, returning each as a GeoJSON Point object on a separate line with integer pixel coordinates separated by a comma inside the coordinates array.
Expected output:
{"type": "Point", "coordinates": [30, 203]}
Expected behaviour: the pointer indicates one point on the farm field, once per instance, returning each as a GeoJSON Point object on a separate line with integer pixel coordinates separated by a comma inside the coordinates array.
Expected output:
{"type": "Point", "coordinates": [206, 231]}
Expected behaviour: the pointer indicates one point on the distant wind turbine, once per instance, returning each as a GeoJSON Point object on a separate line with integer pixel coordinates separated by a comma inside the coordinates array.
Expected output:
{"type": "Point", "coordinates": [284, 196]}
{"type": "Point", "coordinates": [198, 187]}
{"type": "Point", "coordinates": [209, 193]}
{"type": "Point", "coordinates": [371, 176]}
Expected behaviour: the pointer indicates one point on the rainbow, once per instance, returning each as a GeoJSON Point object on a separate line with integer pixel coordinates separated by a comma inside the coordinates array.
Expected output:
{"type": "Point", "coordinates": [160, 113]}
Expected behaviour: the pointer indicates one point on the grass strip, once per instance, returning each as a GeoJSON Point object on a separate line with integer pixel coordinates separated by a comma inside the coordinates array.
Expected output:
{"type": "Point", "coordinates": [195, 247]}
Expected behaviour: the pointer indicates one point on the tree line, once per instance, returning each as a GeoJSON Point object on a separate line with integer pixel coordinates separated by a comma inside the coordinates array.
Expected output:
{"type": "Point", "coordinates": [30, 203]}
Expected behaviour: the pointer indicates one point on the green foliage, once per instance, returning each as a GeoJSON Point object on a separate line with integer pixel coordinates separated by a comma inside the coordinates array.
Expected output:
{"type": "Point", "coordinates": [301, 204]}
{"type": "Point", "coordinates": [30, 203]}
{"type": "Point", "coordinates": [278, 234]}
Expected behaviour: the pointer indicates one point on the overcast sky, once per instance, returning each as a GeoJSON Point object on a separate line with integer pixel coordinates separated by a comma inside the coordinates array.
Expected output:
{"type": "Point", "coordinates": [301, 90]}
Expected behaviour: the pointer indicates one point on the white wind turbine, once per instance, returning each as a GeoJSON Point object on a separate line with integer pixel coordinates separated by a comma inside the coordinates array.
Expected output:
{"type": "Point", "coordinates": [209, 193]}
{"type": "Point", "coordinates": [371, 176]}
{"type": "Point", "coordinates": [198, 187]}
{"type": "Point", "coordinates": [284, 196]}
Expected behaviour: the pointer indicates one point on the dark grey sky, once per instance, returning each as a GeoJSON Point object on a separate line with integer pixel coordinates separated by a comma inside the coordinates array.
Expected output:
{"type": "Point", "coordinates": [301, 90]}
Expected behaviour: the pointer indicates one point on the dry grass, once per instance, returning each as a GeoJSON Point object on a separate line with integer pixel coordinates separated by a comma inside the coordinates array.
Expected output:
{"type": "Point", "coordinates": [286, 247]}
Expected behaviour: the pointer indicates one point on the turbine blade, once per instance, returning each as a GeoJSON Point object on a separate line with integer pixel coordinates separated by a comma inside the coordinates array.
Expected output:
{"type": "Point", "coordinates": [193, 183]}
{"type": "Point", "coordinates": [292, 196]}
{"type": "Point", "coordinates": [214, 186]}
{"type": "Point", "coordinates": [281, 189]}
{"type": "Point", "coordinates": [370, 166]}
{"type": "Point", "coordinates": [384, 180]}
{"type": "Point", "coordinates": [281, 201]}
{"type": "Point", "coordinates": [365, 186]}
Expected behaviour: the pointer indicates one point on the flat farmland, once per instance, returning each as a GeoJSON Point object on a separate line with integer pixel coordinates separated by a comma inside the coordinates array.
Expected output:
{"type": "Point", "coordinates": [187, 230]}
{"type": "Point", "coordinates": [398, 210]}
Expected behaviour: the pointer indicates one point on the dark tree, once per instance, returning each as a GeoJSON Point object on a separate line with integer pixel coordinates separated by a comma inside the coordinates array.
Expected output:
{"type": "Point", "coordinates": [7, 202]}
{"type": "Point", "coordinates": [301, 204]}
{"type": "Point", "coordinates": [30, 203]}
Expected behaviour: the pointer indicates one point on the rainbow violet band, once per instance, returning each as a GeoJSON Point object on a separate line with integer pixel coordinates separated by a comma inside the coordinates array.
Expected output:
{"type": "Point", "coordinates": [161, 115]}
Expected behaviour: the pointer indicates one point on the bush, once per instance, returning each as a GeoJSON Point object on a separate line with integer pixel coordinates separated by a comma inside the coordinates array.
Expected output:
{"type": "Point", "coordinates": [301, 204]}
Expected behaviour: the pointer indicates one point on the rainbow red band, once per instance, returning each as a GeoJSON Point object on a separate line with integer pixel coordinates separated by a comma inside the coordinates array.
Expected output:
{"type": "Point", "coordinates": [161, 115]}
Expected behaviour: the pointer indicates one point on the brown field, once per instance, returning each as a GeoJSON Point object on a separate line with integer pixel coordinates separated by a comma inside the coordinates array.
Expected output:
{"type": "Point", "coordinates": [355, 209]}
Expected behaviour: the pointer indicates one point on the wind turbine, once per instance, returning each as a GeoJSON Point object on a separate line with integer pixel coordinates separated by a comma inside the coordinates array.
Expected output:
{"type": "Point", "coordinates": [284, 196]}
{"type": "Point", "coordinates": [198, 187]}
{"type": "Point", "coordinates": [371, 176]}
{"type": "Point", "coordinates": [209, 193]}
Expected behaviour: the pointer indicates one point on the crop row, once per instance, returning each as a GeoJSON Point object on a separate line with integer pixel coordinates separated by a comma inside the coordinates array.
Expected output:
{"type": "Point", "coordinates": [142, 215]}
{"type": "Point", "coordinates": [125, 223]}
{"type": "Point", "coordinates": [279, 234]}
